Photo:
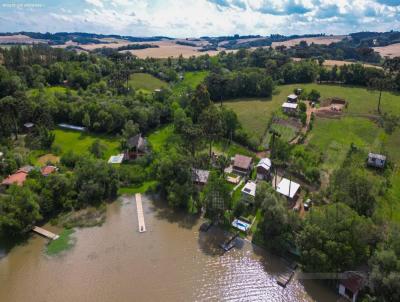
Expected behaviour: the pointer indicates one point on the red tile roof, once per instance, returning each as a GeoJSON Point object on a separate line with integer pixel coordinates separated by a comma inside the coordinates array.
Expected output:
{"type": "Point", "coordinates": [17, 178]}
{"type": "Point", "coordinates": [353, 282]}
{"type": "Point", "coordinates": [47, 170]}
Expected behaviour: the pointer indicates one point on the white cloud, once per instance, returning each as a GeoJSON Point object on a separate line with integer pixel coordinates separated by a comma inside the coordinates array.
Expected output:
{"type": "Point", "coordinates": [184, 18]}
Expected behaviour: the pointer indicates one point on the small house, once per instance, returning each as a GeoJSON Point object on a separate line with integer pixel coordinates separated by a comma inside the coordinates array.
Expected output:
{"type": "Point", "coordinates": [292, 98]}
{"type": "Point", "coordinates": [136, 146]}
{"type": "Point", "coordinates": [263, 169]}
{"type": "Point", "coordinates": [298, 91]}
{"type": "Point", "coordinates": [288, 188]}
{"type": "Point", "coordinates": [249, 191]}
{"type": "Point", "coordinates": [242, 164]}
{"type": "Point", "coordinates": [289, 108]}
{"type": "Point", "coordinates": [351, 286]}
{"type": "Point", "coordinates": [200, 177]}
{"type": "Point", "coordinates": [47, 170]}
{"type": "Point", "coordinates": [376, 160]}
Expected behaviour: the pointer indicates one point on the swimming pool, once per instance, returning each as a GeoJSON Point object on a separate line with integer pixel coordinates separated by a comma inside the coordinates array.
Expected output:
{"type": "Point", "coordinates": [241, 225]}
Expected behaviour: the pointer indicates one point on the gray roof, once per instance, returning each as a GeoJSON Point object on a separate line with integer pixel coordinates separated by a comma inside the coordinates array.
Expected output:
{"type": "Point", "coordinates": [137, 142]}
{"type": "Point", "coordinates": [200, 176]}
{"type": "Point", "coordinates": [377, 156]}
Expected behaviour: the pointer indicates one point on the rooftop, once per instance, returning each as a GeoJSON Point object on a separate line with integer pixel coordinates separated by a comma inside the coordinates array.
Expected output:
{"type": "Point", "coordinates": [353, 282]}
{"type": "Point", "coordinates": [292, 97]}
{"type": "Point", "coordinates": [242, 161]}
{"type": "Point", "coordinates": [287, 188]}
{"type": "Point", "coordinates": [378, 156]}
{"type": "Point", "coordinates": [200, 176]}
{"type": "Point", "coordinates": [17, 178]}
{"type": "Point", "coordinates": [47, 170]}
{"type": "Point", "coordinates": [289, 105]}
{"type": "Point", "coordinates": [265, 163]}
{"type": "Point", "coordinates": [250, 188]}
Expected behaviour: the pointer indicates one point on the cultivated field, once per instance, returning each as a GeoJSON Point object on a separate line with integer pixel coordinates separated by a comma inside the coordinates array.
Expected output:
{"type": "Point", "coordinates": [389, 51]}
{"type": "Point", "coordinates": [316, 40]}
{"type": "Point", "coordinates": [19, 39]}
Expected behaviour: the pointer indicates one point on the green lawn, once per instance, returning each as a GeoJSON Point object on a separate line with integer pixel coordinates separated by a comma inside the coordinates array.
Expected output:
{"type": "Point", "coordinates": [254, 113]}
{"type": "Point", "coordinates": [159, 138]}
{"type": "Point", "coordinates": [333, 137]}
{"type": "Point", "coordinates": [145, 81]}
{"type": "Point", "coordinates": [191, 80]}
{"type": "Point", "coordinates": [50, 91]}
{"type": "Point", "coordinates": [79, 142]}
{"type": "Point", "coordinates": [143, 188]}
{"type": "Point", "coordinates": [63, 243]}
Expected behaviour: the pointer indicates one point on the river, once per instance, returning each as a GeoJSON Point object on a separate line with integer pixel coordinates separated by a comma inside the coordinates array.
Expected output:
{"type": "Point", "coordinates": [172, 261]}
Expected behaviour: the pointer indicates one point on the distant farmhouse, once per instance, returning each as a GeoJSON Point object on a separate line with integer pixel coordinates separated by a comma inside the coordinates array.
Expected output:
{"type": "Point", "coordinates": [292, 98]}
{"type": "Point", "coordinates": [288, 188]}
{"type": "Point", "coordinates": [136, 147]}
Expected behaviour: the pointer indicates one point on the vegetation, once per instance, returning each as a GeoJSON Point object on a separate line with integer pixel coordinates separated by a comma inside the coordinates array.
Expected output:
{"type": "Point", "coordinates": [63, 243]}
{"type": "Point", "coordinates": [146, 82]}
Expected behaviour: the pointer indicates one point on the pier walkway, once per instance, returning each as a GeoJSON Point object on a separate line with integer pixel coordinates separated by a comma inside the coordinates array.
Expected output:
{"type": "Point", "coordinates": [45, 233]}
{"type": "Point", "coordinates": [139, 207]}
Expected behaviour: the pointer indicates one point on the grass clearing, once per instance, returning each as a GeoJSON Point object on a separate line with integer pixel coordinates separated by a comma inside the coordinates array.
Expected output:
{"type": "Point", "coordinates": [191, 80]}
{"type": "Point", "coordinates": [143, 188]}
{"type": "Point", "coordinates": [159, 138]}
{"type": "Point", "coordinates": [63, 243]}
{"type": "Point", "coordinates": [146, 82]}
{"type": "Point", "coordinates": [79, 142]}
{"type": "Point", "coordinates": [44, 159]}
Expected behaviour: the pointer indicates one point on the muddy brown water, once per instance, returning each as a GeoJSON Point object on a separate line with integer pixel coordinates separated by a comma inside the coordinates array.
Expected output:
{"type": "Point", "coordinates": [172, 261]}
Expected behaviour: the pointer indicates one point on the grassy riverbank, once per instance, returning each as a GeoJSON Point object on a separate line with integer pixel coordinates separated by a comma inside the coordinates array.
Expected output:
{"type": "Point", "coordinates": [63, 243]}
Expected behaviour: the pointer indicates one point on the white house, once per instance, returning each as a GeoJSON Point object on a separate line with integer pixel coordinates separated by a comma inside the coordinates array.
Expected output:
{"type": "Point", "coordinates": [288, 188]}
{"type": "Point", "coordinates": [249, 191]}
{"type": "Point", "coordinates": [289, 108]}
{"type": "Point", "coordinates": [263, 168]}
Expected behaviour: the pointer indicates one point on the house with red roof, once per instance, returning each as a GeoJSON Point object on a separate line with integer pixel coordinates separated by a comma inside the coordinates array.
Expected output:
{"type": "Point", "coordinates": [17, 178]}
{"type": "Point", "coordinates": [350, 286]}
{"type": "Point", "coordinates": [47, 170]}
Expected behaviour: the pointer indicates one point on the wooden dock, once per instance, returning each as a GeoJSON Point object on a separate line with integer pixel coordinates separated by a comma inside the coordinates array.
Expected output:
{"type": "Point", "coordinates": [139, 207]}
{"type": "Point", "coordinates": [284, 279]}
{"type": "Point", "coordinates": [45, 233]}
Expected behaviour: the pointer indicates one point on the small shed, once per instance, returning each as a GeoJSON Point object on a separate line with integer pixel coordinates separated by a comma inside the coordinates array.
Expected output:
{"type": "Point", "coordinates": [242, 164]}
{"type": "Point", "coordinates": [200, 177]}
{"type": "Point", "coordinates": [351, 286]}
{"type": "Point", "coordinates": [289, 108]}
{"type": "Point", "coordinates": [376, 160]}
{"type": "Point", "coordinates": [249, 191]}
{"type": "Point", "coordinates": [288, 188]}
{"type": "Point", "coordinates": [292, 98]}
{"type": "Point", "coordinates": [298, 91]}
{"type": "Point", "coordinates": [116, 159]}
{"type": "Point", "coordinates": [264, 169]}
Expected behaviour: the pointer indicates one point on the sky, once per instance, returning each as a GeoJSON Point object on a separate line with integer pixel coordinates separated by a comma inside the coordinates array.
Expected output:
{"type": "Point", "coordinates": [195, 18]}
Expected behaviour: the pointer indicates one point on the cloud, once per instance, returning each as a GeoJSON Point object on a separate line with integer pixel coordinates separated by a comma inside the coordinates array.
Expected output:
{"type": "Point", "coordinates": [98, 3]}
{"type": "Point", "coordinates": [193, 18]}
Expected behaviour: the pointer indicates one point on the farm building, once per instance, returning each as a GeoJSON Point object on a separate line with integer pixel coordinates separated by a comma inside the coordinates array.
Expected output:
{"type": "Point", "coordinates": [288, 188]}
{"type": "Point", "coordinates": [264, 169]}
{"type": "Point", "coordinates": [71, 127]}
{"type": "Point", "coordinates": [136, 146]}
{"type": "Point", "coordinates": [18, 177]}
{"type": "Point", "coordinates": [298, 91]}
{"type": "Point", "coordinates": [350, 287]}
{"type": "Point", "coordinates": [47, 170]}
{"type": "Point", "coordinates": [200, 177]}
{"type": "Point", "coordinates": [249, 191]}
{"type": "Point", "coordinates": [292, 98]}
{"type": "Point", "coordinates": [376, 160]}
{"type": "Point", "coordinates": [242, 164]}
{"type": "Point", "coordinates": [289, 108]}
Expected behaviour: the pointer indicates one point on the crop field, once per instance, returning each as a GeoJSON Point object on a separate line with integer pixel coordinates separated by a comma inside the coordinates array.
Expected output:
{"type": "Point", "coordinates": [145, 81]}
{"type": "Point", "coordinates": [79, 143]}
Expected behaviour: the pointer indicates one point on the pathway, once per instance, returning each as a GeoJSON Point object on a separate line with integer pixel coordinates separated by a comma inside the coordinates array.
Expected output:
{"type": "Point", "coordinates": [139, 207]}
